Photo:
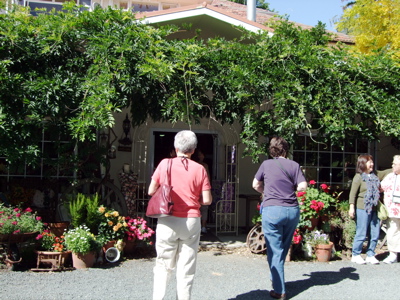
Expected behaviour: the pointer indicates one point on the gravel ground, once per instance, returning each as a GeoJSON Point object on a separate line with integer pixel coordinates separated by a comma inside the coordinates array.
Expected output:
{"type": "Point", "coordinates": [221, 274]}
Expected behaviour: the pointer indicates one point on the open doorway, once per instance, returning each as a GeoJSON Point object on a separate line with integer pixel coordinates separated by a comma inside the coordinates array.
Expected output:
{"type": "Point", "coordinates": [164, 144]}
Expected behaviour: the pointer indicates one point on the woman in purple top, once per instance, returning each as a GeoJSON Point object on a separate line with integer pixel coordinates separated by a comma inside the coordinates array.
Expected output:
{"type": "Point", "coordinates": [278, 179]}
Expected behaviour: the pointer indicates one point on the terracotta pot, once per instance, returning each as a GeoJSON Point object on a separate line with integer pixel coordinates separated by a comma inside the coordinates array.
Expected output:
{"type": "Point", "coordinates": [107, 245]}
{"type": "Point", "coordinates": [58, 228]}
{"type": "Point", "coordinates": [129, 246]}
{"type": "Point", "coordinates": [314, 224]}
{"type": "Point", "coordinates": [323, 252]}
{"type": "Point", "coordinates": [83, 261]}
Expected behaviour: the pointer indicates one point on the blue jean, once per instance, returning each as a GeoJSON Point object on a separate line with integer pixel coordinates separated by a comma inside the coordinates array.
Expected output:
{"type": "Point", "coordinates": [279, 224]}
{"type": "Point", "coordinates": [366, 225]}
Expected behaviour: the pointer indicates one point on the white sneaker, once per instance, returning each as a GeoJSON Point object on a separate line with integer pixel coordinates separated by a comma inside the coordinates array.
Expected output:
{"type": "Point", "coordinates": [392, 258]}
{"type": "Point", "coordinates": [358, 259]}
{"type": "Point", "coordinates": [372, 260]}
{"type": "Point", "coordinates": [203, 230]}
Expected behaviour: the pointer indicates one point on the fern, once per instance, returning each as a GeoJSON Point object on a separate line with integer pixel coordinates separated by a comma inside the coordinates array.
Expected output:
{"type": "Point", "coordinates": [92, 213]}
{"type": "Point", "coordinates": [77, 210]}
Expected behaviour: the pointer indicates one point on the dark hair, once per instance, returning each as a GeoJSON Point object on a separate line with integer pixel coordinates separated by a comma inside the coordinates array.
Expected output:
{"type": "Point", "coordinates": [362, 162]}
{"type": "Point", "coordinates": [278, 147]}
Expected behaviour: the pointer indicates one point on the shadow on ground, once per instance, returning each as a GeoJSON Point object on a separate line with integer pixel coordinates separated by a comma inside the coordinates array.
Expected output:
{"type": "Point", "coordinates": [313, 279]}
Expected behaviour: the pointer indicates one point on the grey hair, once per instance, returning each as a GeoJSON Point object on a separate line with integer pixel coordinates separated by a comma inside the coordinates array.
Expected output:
{"type": "Point", "coordinates": [185, 141]}
{"type": "Point", "coordinates": [396, 157]}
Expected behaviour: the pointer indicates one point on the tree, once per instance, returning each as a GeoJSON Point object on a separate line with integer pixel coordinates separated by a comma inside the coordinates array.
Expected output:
{"type": "Point", "coordinates": [375, 25]}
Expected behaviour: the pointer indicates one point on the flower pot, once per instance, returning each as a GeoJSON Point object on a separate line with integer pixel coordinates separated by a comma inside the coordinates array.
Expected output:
{"type": "Point", "coordinates": [323, 252]}
{"type": "Point", "coordinates": [129, 246]}
{"type": "Point", "coordinates": [107, 245]}
{"type": "Point", "coordinates": [314, 224]}
{"type": "Point", "coordinates": [58, 228]}
{"type": "Point", "coordinates": [83, 261]}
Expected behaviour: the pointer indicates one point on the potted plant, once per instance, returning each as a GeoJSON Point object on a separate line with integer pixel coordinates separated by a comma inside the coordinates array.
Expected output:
{"type": "Point", "coordinates": [53, 251]}
{"type": "Point", "coordinates": [15, 222]}
{"type": "Point", "coordinates": [83, 209]}
{"type": "Point", "coordinates": [321, 244]}
{"type": "Point", "coordinates": [297, 238]}
{"type": "Point", "coordinates": [83, 245]}
{"type": "Point", "coordinates": [112, 227]}
{"type": "Point", "coordinates": [137, 229]}
{"type": "Point", "coordinates": [316, 203]}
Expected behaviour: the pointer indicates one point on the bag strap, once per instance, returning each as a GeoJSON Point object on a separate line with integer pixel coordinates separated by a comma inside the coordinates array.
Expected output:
{"type": "Point", "coordinates": [168, 176]}
{"type": "Point", "coordinates": [283, 170]}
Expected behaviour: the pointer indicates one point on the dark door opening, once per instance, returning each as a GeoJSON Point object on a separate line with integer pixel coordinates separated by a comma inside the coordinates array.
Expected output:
{"type": "Point", "coordinates": [164, 144]}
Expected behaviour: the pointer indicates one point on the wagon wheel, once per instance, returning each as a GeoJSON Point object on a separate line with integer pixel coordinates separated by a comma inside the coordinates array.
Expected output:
{"type": "Point", "coordinates": [109, 194]}
{"type": "Point", "coordinates": [255, 240]}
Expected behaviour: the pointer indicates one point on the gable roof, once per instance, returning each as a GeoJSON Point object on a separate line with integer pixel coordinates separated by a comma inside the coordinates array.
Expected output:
{"type": "Point", "coordinates": [205, 15]}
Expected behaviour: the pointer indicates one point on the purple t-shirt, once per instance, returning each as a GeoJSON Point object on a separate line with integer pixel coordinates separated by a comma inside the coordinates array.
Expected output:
{"type": "Point", "coordinates": [279, 189]}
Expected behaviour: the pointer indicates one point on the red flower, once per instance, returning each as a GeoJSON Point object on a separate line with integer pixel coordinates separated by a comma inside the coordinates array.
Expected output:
{"type": "Point", "coordinates": [301, 194]}
{"type": "Point", "coordinates": [312, 182]}
{"type": "Point", "coordinates": [297, 238]}
{"type": "Point", "coordinates": [38, 218]}
{"type": "Point", "coordinates": [28, 209]}
{"type": "Point", "coordinates": [317, 205]}
{"type": "Point", "coordinates": [325, 187]}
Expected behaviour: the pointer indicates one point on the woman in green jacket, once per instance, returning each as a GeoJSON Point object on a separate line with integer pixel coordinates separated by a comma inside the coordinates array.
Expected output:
{"type": "Point", "coordinates": [364, 197]}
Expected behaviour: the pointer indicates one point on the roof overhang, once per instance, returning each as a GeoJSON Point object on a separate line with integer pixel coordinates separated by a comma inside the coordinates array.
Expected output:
{"type": "Point", "coordinates": [211, 21]}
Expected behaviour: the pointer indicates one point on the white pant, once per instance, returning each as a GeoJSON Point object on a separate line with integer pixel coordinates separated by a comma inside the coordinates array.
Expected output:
{"type": "Point", "coordinates": [177, 243]}
{"type": "Point", "coordinates": [393, 234]}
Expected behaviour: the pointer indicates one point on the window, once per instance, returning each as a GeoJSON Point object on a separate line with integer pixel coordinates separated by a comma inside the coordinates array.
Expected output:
{"type": "Point", "coordinates": [329, 164]}
{"type": "Point", "coordinates": [141, 7]}
{"type": "Point", "coordinates": [50, 166]}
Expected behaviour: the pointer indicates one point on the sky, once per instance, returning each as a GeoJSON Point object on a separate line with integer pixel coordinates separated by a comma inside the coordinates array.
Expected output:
{"type": "Point", "coordinates": [309, 12]}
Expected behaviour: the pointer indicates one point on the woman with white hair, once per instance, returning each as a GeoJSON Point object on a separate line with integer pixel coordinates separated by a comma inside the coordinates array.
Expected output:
{"type": "Point", "coordinates": [178, 235]}
{"type": "Point", "coordinates": [391, 187]}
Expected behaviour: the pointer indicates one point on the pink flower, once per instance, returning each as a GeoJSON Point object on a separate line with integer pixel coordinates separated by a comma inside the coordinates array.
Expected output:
{"type": "Point", "coordinates": [38, 218]}
{"type": "Point", "coordinates": [14, 223]}
{"type": "Point", "coordinates": [16, 209]}
{"type": "Point", "coordinates": [28, 209]}
{"type": "Point", "coordinates": [312, 182]}
{"type": "Point", "coordinates": [39, 237]}
{"type": "Point", "coordinates": [16, 231]}
{"type": "Point", "coordinates": [18, 215]}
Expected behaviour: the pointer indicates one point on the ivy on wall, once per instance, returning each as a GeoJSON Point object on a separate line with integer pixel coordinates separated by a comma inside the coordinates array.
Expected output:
{"type": "Point", "coordinates": [76, 68]}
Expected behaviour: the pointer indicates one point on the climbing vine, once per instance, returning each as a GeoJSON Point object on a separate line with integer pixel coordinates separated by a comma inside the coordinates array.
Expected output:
{"type": "Point", "coordinates": [75, 68]}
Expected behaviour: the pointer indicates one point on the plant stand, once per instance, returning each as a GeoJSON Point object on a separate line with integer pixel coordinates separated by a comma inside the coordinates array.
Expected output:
{"type": "Point", "coordinates": [55, 261]}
